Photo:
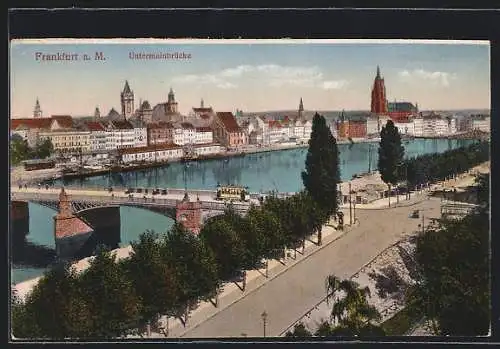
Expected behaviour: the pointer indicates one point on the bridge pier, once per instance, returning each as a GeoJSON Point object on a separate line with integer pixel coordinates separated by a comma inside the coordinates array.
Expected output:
{"type": "Point", "coordinates": [70, 232]}
{"type": "Point", "coordinates": [19, 220]}
{"type": "Point", "coordinates": [188, 213]}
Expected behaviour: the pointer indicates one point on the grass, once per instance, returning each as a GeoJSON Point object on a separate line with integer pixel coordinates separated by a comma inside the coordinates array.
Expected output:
{"type": "Point", "coordinates": [402, 321]}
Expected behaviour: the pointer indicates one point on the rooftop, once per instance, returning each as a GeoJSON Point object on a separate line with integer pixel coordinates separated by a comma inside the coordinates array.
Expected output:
{"type": "Point", "coordinates": [229, 121]}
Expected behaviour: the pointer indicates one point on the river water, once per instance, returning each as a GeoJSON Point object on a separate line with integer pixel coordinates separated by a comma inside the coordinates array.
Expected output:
{"type": "Point", "coordinates": [277, 170]}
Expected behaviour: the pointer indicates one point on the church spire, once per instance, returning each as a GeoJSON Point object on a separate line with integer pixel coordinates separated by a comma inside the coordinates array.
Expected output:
{"type": "Point", "coordinates": [97, 113]}
{"type": "Point", "coordinates": [37, 113]}
{"type": "Point", "coordinates": [202, 104]}
{"type": "Point", "coordinates": [378, 72]}
{"type": "Point", "coordinates": [301, 108]}
{"type": "Point", "coordinates": [126, 89]}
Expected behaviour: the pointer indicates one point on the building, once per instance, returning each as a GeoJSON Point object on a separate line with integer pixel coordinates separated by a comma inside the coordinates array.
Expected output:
{"type": "Point", "coordinates": [127, 101]}
{"type": "Point", "coordinates": [151, 153]}
{"type": "Point", "coordinates": [37, 113]}
{"type": "Point", "coordinates": [29, 128]}
{"type": "Point", "coordinates": [172, 107]}
{"type": "Point", "coordinates": [207, 148]}
{"type": "Point", "coordinates": [168, 111]}
{"type": "Point", "coordinates": [301, 109]}
{"type": "Point", "coordinates": [372, 125]}
{"type": "Point", "coordinates": [401, 111]}
{"type": "Point", "coordinates": [202, 114]}
{"type": "Point", "coordinates": [98, 135]}
{"type": "Point", "coordinates": [333, 128]}
{"type": "Point", "coordinates": [68, 141]}
{"type": "Point", "coordinates": [145, 112]}
{"type": "Point", "coordinates": [430, 125]}
{"type": "Point", "coordinates": [227, 131]}
{"type": "Point", "coordinates": [480, 122]}
{"type": "Point", "coordinates": [121, 135]}
{"type": "Point", "coordinates": [405, 127]}
{"type": "Point", "coordinates": [203, 134]}
{"type": "Point", "coordinates": [278, 131]}
{"type": "Point", "coordinates": [379, 100]}
{"type": "Point", "coordinates": [354, 127]}
{"type": "Point", "coordinates": [160, 132]}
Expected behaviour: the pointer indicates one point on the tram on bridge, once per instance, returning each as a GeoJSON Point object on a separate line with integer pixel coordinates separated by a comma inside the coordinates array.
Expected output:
{"type": "Point", "coordinates": [232, 193]}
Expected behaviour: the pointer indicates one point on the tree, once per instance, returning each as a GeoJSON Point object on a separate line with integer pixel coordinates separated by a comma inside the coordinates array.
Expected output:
{"type": "Point", "coordinates": [300, 331]}
{"type": "Point", "coordinates": [453, 285]}
{"type": "Point", "coordinates": [229, 249]}
{"type": "Point", "coordinates": [113, 301]}
{"type": "Point", "coordinates": [322, 172]}
{"type": "Point", "coordinates": [265, 238]}
{"type": "Point", "coordinates": [44, 148]}
{"type": "Point", "coordinates": [352, 314]}
{"type": "Point", "coordinates": [23, 321]}
{"type": "Point", "coordinates": [390, 156]}
{"type": "Point", "coordinates": [152, 279]}
{"type": "Point", "coordinates": [19, 149]}
{"type": "Point", "coordinates": [55, 309]}
{"type": "Point", "coordinates": [194, 265]}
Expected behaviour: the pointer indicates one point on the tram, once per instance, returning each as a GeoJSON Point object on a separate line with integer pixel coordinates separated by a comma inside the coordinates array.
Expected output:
{"type": "Point", "coordinates": [232, 193]}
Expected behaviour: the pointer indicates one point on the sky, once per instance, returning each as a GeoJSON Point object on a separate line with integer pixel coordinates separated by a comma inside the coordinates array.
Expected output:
{"type": "Point", "coordinates": [250, 76]}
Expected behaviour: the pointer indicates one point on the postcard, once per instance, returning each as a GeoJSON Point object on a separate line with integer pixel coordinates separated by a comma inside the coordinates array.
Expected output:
{"type": "Point", "coordinates": [249, 188]}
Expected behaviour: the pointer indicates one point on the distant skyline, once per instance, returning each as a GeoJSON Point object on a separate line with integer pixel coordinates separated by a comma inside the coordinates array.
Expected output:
{"type": "Point", "coordinates": [251, 77]}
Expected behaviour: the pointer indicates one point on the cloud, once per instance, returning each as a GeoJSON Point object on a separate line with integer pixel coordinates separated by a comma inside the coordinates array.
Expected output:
{"type": "Point", "coordinates": [271, 74]}
{"type": "Point", "coordinates": [439, 77]}
{"type": "Point", "coordinates": [334, 84]}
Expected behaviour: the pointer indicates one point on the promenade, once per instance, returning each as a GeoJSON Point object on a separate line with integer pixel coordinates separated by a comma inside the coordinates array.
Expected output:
{"type": "Point", "coordinates": [290, 294]}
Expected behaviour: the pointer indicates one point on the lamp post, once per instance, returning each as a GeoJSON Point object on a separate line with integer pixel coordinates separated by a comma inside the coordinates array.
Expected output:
{"type": "Point", "coordinates": [350, 203]}
{"type": "Point", "coordinates": [264, 321]}
{"type": "Point", "coordinates": [369, 158]}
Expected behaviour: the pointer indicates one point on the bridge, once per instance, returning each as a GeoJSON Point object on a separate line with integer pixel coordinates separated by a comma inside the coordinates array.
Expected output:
{"type": "Point", "coordinates": [83, 199]}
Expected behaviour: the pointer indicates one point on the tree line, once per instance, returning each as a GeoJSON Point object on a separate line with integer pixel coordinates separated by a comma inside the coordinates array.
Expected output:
{"type": "Point", "coordinates": [170, 274]}
{"type": "Point", "coordinates": [437, 167]}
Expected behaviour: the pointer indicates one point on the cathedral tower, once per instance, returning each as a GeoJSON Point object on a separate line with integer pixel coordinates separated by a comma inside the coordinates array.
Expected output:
{"type": "Point", "coordinates": [37, 113]}
{"type": "Point", "coordinates": [379, 101]}
{"type": "Point", "coordinates": [127, 101]}
{"type": "Point", "coordinates": [301, 108]}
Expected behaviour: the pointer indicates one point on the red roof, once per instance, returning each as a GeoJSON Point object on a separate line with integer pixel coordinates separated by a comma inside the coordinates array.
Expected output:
{"type": "Point", "coordinates": [70, 226]}
{"type": "Point", "coordinates": [204, 129]}
{"type": "Point", "coordinates": [274, 123]}
{"type": "Point", "coordinates": [65, 121]}
{"type": "Point", "coordinates": [31, 123]}
{"type": "Point", "coordinates": [229, 121]}
{"type": "Point", "coordinates": [122, 125]}
{"type": "Point", "coordinates": [94, 126]}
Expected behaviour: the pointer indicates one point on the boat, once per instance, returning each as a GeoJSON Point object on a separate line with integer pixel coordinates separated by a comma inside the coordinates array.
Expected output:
{"type": "Point", "coordinates": [189, 158]}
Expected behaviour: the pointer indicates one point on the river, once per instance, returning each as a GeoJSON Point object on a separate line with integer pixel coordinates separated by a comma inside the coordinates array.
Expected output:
{"type": "Point", "coordinates": [277, 170]}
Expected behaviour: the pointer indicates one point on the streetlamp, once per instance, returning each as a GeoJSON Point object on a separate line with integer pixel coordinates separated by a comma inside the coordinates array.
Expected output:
{"type": "Point", "coordinates": [264, 321]}
{"type": "Point", "coordinates": [350, 203]}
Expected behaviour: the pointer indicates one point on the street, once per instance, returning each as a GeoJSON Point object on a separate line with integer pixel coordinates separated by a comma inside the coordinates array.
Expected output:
{"type": "Point", "coordinates": [286, 297]}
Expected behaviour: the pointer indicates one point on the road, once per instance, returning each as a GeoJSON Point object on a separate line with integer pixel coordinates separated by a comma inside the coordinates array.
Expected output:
{"type": "Point", "coordinates": [289, 295]}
